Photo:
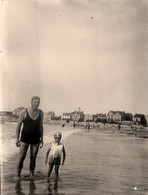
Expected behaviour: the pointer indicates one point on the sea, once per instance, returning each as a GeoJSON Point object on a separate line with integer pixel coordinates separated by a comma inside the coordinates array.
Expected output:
{"type": "Point", "coordinates": [8, 137]}
{"type": "Point", "coordinates": [97, 162]}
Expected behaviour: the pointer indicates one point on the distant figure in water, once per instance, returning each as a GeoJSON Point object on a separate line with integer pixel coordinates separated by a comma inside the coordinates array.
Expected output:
{"type": "Point", "coordinates": [54, 154]}
{"type": "Point", "coordinates": [87, 126]}
{"type": "Point", "coordinates": [119, 126]}
{"type": "Point", "coordinates": [63, 124]}
{"type": "Point", "coordinates": [31, 134]}
{"type": "Point", "coordinates": [74, 125]}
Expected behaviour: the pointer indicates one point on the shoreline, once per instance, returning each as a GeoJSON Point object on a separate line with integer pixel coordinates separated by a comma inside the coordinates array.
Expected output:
{"type": "Point", "coordinates": [83, 124]}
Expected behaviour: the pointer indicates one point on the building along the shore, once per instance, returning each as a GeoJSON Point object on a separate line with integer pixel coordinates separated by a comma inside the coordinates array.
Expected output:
{"type": "Point", "coordinates": [77, 116]}
{"type": "Point", "coordinates": [128, 117]}
{"type": "Point", "coordinates": [89, 117]}
{"type": "Point", "coordinates": [118, 116]}
{"type": "Point", "coordinates": [146, 117]}
{"type": "Point", "coordinates": [48, 116]}
{"type": "Point", "coordinates": [101, 118]}
{"type": "Point", "coordinates": [66, 116]}
{"type": "Point", "coordinates": [139, 119]}
{"type": "Point", "coordinates": [5, 115]}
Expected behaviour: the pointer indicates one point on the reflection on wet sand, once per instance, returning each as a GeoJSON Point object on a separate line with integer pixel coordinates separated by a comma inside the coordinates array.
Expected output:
{"type": "Point", "coordinates": [52, 187]}
{"type": "Point", "coordinates": [32, 186]}
{"type": "Point", "coordinates": [18, 188]}
{"type": "Point", "coordinates": [21, 185]}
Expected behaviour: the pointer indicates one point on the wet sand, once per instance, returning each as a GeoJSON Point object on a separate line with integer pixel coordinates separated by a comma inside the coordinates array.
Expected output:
{"type": "Point", "coordinates": [97, 162]}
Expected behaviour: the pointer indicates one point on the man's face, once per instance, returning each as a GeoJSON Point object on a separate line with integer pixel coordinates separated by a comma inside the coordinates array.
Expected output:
{"type": "Point", "coordinates": [35, 103]}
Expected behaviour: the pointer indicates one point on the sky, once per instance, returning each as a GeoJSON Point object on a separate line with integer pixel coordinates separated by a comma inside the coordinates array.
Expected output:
{"type": "Point", "coordinates": [90, 54]}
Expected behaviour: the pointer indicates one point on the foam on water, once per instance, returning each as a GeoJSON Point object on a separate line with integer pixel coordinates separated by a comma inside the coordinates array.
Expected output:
{"type": "Point", "coordinates": [8, 138]}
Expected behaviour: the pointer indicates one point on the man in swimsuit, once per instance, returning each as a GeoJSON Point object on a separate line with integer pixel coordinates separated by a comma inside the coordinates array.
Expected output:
{"type": "Point", "coordinates": [31, 134]}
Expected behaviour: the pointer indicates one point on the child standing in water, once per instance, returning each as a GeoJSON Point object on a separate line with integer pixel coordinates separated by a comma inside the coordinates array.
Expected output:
{"type": "Point", "coordinates": [54, 153]}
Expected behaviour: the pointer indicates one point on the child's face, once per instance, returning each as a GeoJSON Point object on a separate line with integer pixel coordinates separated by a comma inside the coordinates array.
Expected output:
{"type": "Point", "coordinates": [57, 139]}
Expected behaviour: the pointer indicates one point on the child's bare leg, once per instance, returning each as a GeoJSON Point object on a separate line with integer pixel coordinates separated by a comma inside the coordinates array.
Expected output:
{"type": "Point", "coordinates": [57, 170]}
{"type": "Point", "coordinates": [50, 169]}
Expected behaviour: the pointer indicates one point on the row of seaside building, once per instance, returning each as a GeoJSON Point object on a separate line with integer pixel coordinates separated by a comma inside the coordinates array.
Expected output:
{"type": "Point", "coordinates": [79, 116]}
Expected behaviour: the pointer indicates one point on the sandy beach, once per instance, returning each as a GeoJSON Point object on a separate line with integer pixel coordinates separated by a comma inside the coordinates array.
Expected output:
{"type": "Point", "coordinates": [97, 162]}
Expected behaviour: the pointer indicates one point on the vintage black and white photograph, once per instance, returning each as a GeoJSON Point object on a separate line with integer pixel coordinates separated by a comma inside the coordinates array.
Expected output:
{"type": "Point", "coordinates": [74, 97]}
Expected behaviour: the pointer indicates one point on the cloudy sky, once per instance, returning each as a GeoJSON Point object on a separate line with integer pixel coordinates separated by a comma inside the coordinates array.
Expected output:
{"type": "Point", "coordinates": [91, 54]}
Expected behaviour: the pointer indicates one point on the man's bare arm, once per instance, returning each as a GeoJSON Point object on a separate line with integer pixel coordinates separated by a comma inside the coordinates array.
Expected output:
{"type": "Point", "coordinates": [41, 130]}
{"type": "Point", "coordinates": [18, 127]}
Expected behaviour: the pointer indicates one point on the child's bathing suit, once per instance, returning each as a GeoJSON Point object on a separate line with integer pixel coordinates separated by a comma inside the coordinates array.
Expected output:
{"type": "Point", "coordinates": [55, 154]}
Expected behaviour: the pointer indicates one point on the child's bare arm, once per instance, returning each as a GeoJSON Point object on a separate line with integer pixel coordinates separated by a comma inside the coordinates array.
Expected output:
{"type": "Point", "coordinates": [64, 155]}
{"type": "Point", "coordinates": [46, 157]}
